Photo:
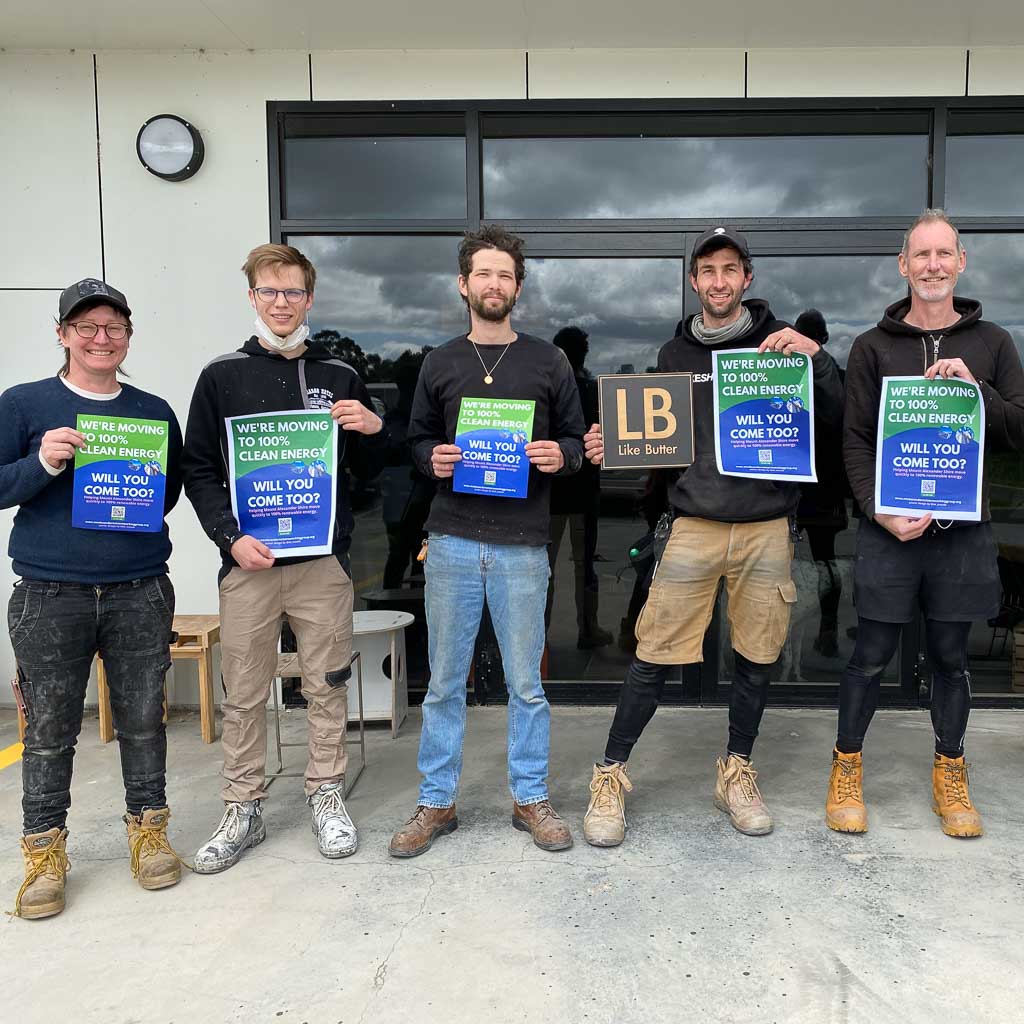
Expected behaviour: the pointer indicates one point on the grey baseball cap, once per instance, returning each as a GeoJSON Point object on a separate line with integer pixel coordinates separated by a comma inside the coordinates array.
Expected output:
{"type": "Point", "coordinates": [718, 238]}
{"type": "Point", "coordinates": [93, 291]}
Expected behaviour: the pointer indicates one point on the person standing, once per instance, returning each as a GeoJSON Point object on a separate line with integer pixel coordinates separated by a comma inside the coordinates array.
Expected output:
{"type": "Point", "coordinates": [948, 569]}
{"type": "Point", "coordinates": [726, 527]}
{"type": "Point", "coordinates": [82, 593]}
{"type": "Point", "coordinates": [277, 370]}
{"type": "Point", "coordinates": [485, 547]}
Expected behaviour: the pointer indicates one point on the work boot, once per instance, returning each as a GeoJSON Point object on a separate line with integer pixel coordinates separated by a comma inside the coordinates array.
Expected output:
{"type": "Point", "coordinates": [46, 865]}
{"type": "Point", "coordinates": [241, 827]}
{"type": "Point", "coordinates": [844, 805]}
{"type": "Point", "coordinates": [951, 800]}
{"type": "Point", "coordinates": [543, 823]}
{"type": "Point", "coordinates": [336, 836]}
{"type": "Point", "coordinates": [153, 862]}
{"type": "Point", "coordinates": [737, 794]}
{"type": "Point", "coordinates": [604, 824]}
{"type": "Point", "coordinates": [417, 835]}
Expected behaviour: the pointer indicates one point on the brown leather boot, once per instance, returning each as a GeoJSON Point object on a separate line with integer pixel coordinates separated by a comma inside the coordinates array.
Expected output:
{"type": "Point", "coordinates": [46, 865]}
{"type": "Point", "coordinates": [951, 800]}
{"type": "Point", "coordinates": [417, 835]}
{"type": "Point", "coordinates": [153, 862]}
{"type": "Point", "coordinates": [543, 823]}
{"type": "Point", "coordinates": [737, 794]}
{"type": "Point", "coordinates": [604, 824]}
{"type": "Point", "coordinates": [844, 805]}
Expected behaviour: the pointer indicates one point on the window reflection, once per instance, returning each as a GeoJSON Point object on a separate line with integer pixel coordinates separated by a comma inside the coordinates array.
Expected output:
{"type": "Point", "coordinates": [983, 175]}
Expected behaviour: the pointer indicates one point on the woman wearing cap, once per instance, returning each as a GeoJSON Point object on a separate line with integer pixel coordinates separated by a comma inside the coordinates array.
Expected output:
{"type": "Point", "coordinates": [86, 591]}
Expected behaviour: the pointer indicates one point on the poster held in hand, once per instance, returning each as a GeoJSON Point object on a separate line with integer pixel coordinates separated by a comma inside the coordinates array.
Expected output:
{"type": "Point", "coordinates": [646, 420]}
{"type": "Point", "coordinates": [764, 415]}
{"type": "Point", "coordinates": [281, 469]}
{"type": "Point", "coordinates": [930, 448]}
{"type": "Point", "coordinates": [120, 475]}
{"type": "Point", "coordinates": [493, 434]}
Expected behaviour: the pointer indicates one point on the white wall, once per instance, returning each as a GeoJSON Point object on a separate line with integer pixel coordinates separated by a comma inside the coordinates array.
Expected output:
{"type": "Point", "coordinates": [997, 71]}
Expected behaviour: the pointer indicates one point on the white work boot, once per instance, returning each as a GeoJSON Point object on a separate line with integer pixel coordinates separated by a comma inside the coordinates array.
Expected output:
{"type": "Point", "coordinates": [336, 836]}
{"type": "Point", "coordinates": [241, 827]}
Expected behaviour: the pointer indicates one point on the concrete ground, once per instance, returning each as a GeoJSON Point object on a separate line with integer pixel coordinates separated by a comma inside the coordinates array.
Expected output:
{"type": "Point", "coordinates": [688, 921]}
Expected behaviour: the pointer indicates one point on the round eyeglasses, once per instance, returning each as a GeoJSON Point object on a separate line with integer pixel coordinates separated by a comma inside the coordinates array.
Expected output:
{"type": "Point", "coordinates": [87, 329]}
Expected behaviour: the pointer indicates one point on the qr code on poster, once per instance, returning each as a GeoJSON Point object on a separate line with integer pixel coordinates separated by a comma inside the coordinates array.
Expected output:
{"type": "Point", "coordinates": [928, 487]}
{"type": "Point", "coordinates": [117, 511]}
{"type": "Point", "coordinates": [490, 476]}
{"type": "Point", "coordinates": [284, 525]}
{"type": "Point", "coordinates": [764, 456]}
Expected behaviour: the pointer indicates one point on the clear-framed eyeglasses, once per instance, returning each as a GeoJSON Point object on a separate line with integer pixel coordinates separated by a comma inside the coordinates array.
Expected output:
{"type": "Point", "coordinates": [87, 329]}
{"type": "Point", "coordinates": [271, 294]}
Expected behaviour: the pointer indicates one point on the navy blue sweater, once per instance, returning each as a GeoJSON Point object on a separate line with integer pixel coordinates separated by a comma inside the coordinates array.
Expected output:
{"type": "Point", "coordinates": [44, 545]}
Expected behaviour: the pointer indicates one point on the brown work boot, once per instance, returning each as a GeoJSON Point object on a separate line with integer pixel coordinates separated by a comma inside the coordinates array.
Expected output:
{"type": "Point", "coordinates": [844, 805]}
{"type": "Point", "coordinates": [46, 865]}
{"type": "Point", "coordinates": [604, 824]}
{"type": "Point", "coordinates": [153, 862]}
{"type": "Point", "coordinates": [417, 835]}
{"type": "Point", "coordinates": [541, 820]}
{"type": "Point", "coordinates": [737, 794]}
{"type": "Point", "coordinates": [951, 800]}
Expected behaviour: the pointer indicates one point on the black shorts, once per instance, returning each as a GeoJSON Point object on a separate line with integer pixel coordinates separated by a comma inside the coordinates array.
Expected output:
{"type": "Point", "coordinates": [952, 575]}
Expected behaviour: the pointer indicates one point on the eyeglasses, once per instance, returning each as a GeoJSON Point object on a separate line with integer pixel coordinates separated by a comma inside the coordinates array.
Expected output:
{"type": "Point", "coordinates": [291, 294]}
{"type": "Point", "coordinates": [87, 329]}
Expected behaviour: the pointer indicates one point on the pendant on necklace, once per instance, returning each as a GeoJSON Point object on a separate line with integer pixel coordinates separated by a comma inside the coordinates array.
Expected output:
{"type": "Point", "coordinates": [488, 379]}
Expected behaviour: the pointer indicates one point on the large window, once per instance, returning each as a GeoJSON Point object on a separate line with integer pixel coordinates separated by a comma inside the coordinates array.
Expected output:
{"type": "Point", "coordinates": [610, 198]}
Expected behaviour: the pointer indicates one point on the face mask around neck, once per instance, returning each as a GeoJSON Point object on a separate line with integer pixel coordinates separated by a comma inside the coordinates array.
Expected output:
{"type": "Point", "coordinates": [294, 340]}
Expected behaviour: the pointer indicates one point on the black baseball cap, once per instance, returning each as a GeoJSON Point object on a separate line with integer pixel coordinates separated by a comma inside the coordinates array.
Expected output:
{"type": "Point", "coordinates": [92, 291]}
{"type": "Point", "coordinates": [718, 238]}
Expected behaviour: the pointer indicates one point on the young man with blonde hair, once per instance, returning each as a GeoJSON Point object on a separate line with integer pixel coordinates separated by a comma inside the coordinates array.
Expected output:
{"type": "Point", "coordinates": [278, 370]}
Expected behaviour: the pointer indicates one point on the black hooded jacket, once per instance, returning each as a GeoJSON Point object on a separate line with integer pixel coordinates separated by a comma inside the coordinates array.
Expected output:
{"type": "Point", "coordinates": [896, 349]}
{"type": "Point", "coordinates": [701, 490]}
{"type": "Point", "coordinates": [253, 380]}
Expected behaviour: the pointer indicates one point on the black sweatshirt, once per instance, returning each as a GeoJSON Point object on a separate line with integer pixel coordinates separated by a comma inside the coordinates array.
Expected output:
{"type": "Point", "coordinates": [896, 349]}
{"type": "Point", "coordinates": [530, 369]}
{"type": "Point", "coordinates": [254, 380]}
{"type": "Point", "coordinates": [702, 491]}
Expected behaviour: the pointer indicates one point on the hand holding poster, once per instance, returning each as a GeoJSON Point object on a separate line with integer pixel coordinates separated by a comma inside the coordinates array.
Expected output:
{"type": "Point", "coordinates": [764, 415]}
{"type": "Point", "coordinates": [281, 470]}
{"type": "Point", "coordinates": [493, 434]}
{"type": "Point", "coordinates": [120, 474]}
{"type": "Point", "coordinates": [930, 452]}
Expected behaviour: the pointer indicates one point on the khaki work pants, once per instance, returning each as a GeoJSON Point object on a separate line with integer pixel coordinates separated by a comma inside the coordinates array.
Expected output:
{"type": "Point", "coordinates": [316, 597]}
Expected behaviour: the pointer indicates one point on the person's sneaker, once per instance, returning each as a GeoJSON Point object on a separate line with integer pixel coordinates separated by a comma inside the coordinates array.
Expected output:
{"type": "Point", "coordinates": [241, 827]}
{"type": "Point", "coordinates": [46, 866]}
{"type": "Point", "coordinates": [336, 836]}
{"type": "Point", "coordinates": [604, 824]}
{"type": "Point", "coordinates": [737, 794]}
{"type": "Point", "coordinates": [541, 820]}
{"type": "Point", "coordinates": [153, 862]}
{"type": "Point", "coordinates": [951, 799]}
{"type": "Point", "coordinates": [417, 835]}
{"type": "Point", "coordinates": [844, 805]}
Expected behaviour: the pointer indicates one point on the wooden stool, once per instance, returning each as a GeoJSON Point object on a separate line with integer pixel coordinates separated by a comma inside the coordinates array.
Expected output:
{"type": "Point", "coordinates": [196, 636]}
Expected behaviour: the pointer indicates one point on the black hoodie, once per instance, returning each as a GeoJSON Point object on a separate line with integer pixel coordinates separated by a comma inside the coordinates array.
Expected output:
{"type": "Point", "coordinates": [701, 490]}
{"type": "Point", "coordinates": [252, 380]}
{"type": "Point", "coordinates": [896, 349]}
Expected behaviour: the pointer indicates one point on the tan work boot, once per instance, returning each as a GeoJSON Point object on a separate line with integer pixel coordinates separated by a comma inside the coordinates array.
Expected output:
{"type": "Point", "coordinates": [417, 835]}
{"type": "Point", "coordinates": [543, 823]}
{"type": "Point", "coordinates": [844, 805]}
{"type": "Point", "coordinates": [951, 800]}
{"type": "Point", "coordinates": [604, 824]}
{"type": "Point", "coordinates": [153, 862]}
{"type": "Point", "coordinates": [46, 865]}
{"type": "Point", "coordinates": [737, 794]}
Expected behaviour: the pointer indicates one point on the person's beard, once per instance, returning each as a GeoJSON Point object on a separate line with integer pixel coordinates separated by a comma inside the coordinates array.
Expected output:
{"type": "Point", "coordinates": [728, 313]}
{"type": "Point", "coordinates": [493, 313]}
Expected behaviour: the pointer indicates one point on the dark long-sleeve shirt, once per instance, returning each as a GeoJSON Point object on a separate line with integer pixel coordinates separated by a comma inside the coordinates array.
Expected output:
{"type": "Point", "coordinates": [531, 370]}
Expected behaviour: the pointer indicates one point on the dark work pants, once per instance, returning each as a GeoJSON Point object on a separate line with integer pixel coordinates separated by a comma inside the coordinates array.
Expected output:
{"type": "Point", "coordinates": [951, 682]}
{"type": "Point", "coordinates": [642, 689]}
{"type": "Point", "coordinates": [56, 629]}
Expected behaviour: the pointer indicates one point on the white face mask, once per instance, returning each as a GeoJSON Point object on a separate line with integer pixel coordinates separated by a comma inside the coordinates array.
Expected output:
{"type": "Point", "coordinates": [294, 340]}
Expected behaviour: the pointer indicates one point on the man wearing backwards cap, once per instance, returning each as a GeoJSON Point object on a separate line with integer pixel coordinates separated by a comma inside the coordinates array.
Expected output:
{"type": "Point", "coordinates": [85, 592]}
{"type": "Point", "coordinates": [725, 527]}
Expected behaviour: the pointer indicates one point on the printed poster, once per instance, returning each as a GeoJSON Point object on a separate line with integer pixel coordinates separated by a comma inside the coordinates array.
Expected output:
{"type": "Point", "coordinates": [281, 468]}
{"type": "Point", "coordinates": [764, 415]}
{"type": "Point", "coordinates": [493, 434]}
{"type": "Point", "coordinates": [120, 475]}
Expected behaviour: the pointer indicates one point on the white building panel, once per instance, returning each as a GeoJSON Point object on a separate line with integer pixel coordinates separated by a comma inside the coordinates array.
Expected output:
{"type": "Point", "coordinates": [996, 71]}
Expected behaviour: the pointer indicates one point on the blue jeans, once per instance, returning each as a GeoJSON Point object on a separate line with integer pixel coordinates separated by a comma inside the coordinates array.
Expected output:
{"type": "Point", "coordinates": [513, 578]}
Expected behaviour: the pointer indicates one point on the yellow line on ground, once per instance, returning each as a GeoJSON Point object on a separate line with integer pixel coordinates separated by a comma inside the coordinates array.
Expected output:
{"type": "Point", "coordinates": [10, 755]}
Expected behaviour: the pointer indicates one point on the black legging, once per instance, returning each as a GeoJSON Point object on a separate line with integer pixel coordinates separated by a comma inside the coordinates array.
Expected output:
{"type": "Point", "coordinates": [643, 687]}
{"type": "Point", "coordinates": [951, 682]}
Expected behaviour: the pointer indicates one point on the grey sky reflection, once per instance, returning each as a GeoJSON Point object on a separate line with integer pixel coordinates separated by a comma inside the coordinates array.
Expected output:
{"type": "Point", "coordinates": [983, 175]}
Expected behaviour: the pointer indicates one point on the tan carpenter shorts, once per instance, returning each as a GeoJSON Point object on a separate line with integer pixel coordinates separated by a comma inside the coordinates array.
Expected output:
{"type": "Point", "coordinates": [753, 558]}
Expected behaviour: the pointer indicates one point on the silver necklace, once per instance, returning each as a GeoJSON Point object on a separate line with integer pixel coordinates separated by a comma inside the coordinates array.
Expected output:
{"type": "Point", "coordinates": [489, 374]}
